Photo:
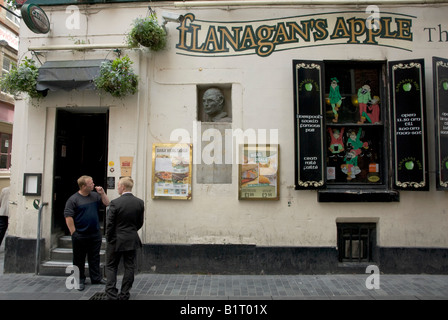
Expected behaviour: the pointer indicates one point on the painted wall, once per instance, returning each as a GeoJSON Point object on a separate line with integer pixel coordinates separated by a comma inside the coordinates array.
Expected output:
{"type": "Point", "coordinates": [262, 98]}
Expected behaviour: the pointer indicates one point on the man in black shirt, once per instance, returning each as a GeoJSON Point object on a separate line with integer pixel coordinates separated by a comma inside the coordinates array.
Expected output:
{"type": "Point", "coordinates": [81, 217]}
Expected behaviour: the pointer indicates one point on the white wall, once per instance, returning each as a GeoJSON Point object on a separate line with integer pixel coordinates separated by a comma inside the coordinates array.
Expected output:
{"type": "Point", "coordinates": [262, 98]}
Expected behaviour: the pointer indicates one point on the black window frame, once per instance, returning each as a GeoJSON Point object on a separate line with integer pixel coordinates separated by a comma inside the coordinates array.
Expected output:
{"type": "Point", "coordinates": [404, 168]}
{"type": "Point", "coordinates": [384, 164]}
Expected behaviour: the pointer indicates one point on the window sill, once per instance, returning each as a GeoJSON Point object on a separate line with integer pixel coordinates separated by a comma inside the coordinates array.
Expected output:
{"type": "Point", "coordinates": [357, 195]}
{"type": "Point", "coordinates": [355, 267]}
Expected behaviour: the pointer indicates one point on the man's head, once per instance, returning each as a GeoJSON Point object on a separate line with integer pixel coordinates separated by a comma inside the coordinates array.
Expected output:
{"type": "Point", "coordinates": [213, 101]}
{"type": "Point", "coordinates": [85, 183]}
{"type": "Point", "coordinates": [125, 184]}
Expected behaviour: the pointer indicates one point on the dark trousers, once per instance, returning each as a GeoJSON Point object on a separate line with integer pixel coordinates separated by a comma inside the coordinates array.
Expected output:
{"type": "Point", "coordinates": [87, 245]}
{"type": "Point", "coordinates": [113, 259]}
{"type": "Point", "coordinates": [3, 227]}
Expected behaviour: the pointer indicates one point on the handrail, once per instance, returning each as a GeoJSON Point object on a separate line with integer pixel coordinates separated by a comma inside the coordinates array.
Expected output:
{"type": "Point", "coordinates": [39, 217]}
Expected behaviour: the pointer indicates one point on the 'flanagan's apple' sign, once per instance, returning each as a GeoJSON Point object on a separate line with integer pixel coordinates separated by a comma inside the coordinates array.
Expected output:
{"type": "Point", "coordinates": [35, 18]}
{"type": "Point", "coordinates": [263, 37]}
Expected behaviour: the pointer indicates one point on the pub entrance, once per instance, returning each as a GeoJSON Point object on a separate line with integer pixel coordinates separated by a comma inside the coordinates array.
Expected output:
{"type": "Point", "coordinates": [80, 148]}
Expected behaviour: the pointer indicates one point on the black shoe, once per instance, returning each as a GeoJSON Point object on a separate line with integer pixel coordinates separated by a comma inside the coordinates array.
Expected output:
{"type": "Point", "coordinates": [82, 286]}
{"type": "Point", "coordinates": [102, 281]}
{"type": "Point", "coordinates": [122, 296]}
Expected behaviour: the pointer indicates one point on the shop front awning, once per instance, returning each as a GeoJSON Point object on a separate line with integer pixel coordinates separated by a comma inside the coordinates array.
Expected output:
{"type": "Point", "coordinates": [68, 75]}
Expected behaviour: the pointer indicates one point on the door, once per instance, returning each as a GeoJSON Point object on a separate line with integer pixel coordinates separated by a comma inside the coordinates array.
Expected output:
{"type": "Point", "coordinates": [80, 148]}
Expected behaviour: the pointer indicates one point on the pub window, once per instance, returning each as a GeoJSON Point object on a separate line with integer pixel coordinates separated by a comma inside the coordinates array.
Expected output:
{"type": "Point", "coordinates": [360, 129]}
{"type": "Point", "coordinates": [354, 123]}
{"type": "Point", "coordinates": [356, 242]}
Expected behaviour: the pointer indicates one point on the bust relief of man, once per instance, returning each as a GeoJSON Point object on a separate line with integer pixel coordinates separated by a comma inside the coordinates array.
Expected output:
{"type": "Point", "coordinates": [213, 102]}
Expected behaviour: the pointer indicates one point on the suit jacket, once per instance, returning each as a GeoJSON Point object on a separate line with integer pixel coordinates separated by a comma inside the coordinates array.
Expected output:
{"type": "Point", "coordinates": [124, 219]}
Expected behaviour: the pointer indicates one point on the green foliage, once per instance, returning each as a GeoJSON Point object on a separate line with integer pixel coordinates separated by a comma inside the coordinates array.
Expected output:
{"type": "Point", "coordinates": [22, 78]}
{"type": "Point", "coordinates": [117, 77]}
{"type": "Point", "coordinates": [11, 4]}
{"type": "Point", "coordinates": [148, 33]}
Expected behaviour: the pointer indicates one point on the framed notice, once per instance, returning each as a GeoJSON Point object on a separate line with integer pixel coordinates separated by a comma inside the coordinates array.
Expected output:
{"type": "Point", "coordinates": [258, 172]}
{"type": "Point", "coordinates": [171, 171]}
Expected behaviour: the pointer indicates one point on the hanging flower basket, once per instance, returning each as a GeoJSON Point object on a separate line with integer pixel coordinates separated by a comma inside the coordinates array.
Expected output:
{"type": "Point", "coordinates": [117, 78]}
{"type": "Point", "coordinates": [22, 78]}
{"type": "Point", "coordinates": [148, 33]}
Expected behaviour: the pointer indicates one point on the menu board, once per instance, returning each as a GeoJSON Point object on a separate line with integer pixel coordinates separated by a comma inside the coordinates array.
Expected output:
{"type": "Point", "coordinates": [308, 104]}
{"type": "Point", "coordinates": [409, 125]}
{"type": "Point", "coordinates": [440, 70]}
{"type": "Point", "coordinates": [259, 172]}
{"type": "Point", "coordinates": [171, 171]}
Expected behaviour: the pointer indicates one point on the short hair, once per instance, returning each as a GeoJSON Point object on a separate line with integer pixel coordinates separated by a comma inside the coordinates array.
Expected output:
{"type": "Point", "coordinates": [127, 183]}
{"type": "Point", "coordinates": [82, 181]}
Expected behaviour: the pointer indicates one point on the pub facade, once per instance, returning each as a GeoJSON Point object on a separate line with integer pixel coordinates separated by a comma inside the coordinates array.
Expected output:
{"type": "Point", "coordinates": [265, 137]}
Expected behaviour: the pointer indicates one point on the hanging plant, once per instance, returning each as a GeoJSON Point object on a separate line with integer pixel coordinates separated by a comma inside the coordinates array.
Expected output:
{"type": "Point", "coordinates": [22, 78]}
{"type": "Point", "coordinates": [117, 77]}
{"type": "Point", "coordinates": [148, 33]}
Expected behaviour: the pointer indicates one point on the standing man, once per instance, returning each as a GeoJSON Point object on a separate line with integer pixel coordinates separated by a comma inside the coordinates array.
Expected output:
{"type": "Point", "coordinates": [124, 219]}
{"type": "Point", "coordinates": [4, 212]}
{"type": "Point", "coordinates": [81, 215]}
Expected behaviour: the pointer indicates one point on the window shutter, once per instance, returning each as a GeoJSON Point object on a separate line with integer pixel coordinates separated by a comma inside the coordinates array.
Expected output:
{"type": "Point", "coordinates": [308, 124]}
{"type": "Point", "coordinates": [409, 141]}
{"type": "Point", "coordinates": [440, 71]}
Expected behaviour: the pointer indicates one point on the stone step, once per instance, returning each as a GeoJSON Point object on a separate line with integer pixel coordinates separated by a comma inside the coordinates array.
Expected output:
{"type": "Point", "coordinates": [59, 268]}
{"type": "Point", "coordinates": [61, 257]}
{"type": "Point", "coordinates": [66, 242]}
{"type": "Point", "coordinates": [66, 254]}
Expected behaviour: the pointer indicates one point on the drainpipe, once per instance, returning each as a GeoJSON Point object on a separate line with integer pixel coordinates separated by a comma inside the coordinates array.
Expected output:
{"type": "Point", "coordinates": [246, 3]}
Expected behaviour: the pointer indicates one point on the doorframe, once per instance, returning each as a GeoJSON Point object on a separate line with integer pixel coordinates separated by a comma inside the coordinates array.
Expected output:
{"type": "Point", "coordinates": [56, 232]}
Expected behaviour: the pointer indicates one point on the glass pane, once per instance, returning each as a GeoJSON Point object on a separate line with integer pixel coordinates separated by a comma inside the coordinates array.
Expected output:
{"type": "Point", "coordinates": [6, 63]}
{"type": "Point", "coordinates": [5, 141]}
{"type": "Point", "coordinates": [353, 154]}
{"type": "Point", "coordinates": [3, 161]}
{"type": "Point", "coordinates": [355, 249]}
{"type": "Point", "coordinates": [352, 94]}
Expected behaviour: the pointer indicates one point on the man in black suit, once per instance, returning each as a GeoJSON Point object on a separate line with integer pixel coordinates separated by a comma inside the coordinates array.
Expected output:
{"type": "Point", "coordinates": [124, 219]}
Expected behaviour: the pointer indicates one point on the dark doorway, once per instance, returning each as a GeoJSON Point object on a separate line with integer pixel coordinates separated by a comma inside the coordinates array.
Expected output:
{"type": "Point", "coordinates": [81, 145]}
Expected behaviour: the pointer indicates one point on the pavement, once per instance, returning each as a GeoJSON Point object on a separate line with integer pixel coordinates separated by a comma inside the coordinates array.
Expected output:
{"type": "Point", "coordinates": [186, 287]}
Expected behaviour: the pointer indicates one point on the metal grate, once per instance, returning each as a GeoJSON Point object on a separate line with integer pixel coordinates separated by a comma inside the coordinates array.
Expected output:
{"type": "Point", "coordinates": [99, 296]}
{"type": "Point", "coordinates": [356, 242]}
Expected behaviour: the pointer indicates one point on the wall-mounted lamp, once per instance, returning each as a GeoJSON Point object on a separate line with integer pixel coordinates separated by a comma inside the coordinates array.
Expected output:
{"type": "Point", "coordinates": [32, 184]}
{"type": "Point", "coordinates": [170, 17]}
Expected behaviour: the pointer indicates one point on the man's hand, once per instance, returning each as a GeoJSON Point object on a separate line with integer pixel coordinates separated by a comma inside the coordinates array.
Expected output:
{"type": "Point", "coordinates": [100, 190]}
{"type": "Point", "coordinates": [103, 194]}
{"type": "Point", "coordinates": [70, 224]}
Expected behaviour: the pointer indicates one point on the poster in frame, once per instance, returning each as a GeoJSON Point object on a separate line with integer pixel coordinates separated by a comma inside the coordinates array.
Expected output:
{"type": "Point", "coordinates": [258, 172]}
{"type": "Point", "coordinates": [171, 171]}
